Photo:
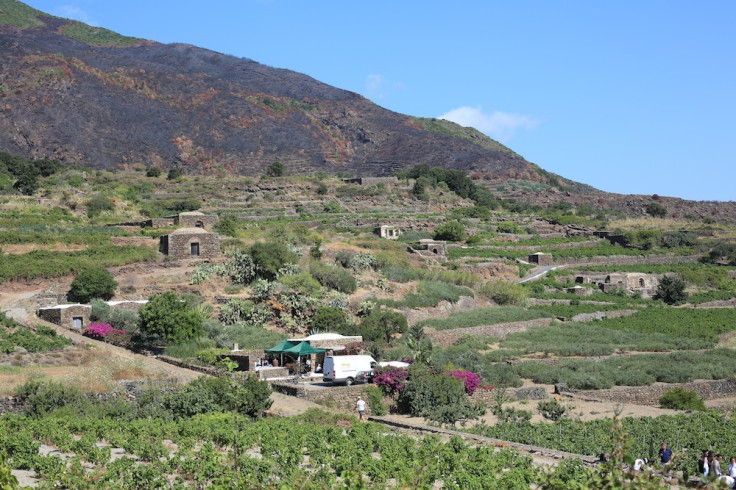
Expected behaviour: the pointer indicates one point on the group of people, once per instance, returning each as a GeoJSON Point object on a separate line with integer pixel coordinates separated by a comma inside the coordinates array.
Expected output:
{"type": "Point", "coordinates": [711, 467]}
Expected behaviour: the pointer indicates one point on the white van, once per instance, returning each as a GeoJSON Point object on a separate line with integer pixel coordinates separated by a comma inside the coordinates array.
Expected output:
{"type": "Point", "coordinates": [345, 369]}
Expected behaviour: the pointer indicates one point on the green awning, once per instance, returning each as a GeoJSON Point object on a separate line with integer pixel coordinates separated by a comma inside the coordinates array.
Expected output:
{"type": "Point", "coordinates": [282, 347]}
{"type": "Point", "coordinates": [303, 349]}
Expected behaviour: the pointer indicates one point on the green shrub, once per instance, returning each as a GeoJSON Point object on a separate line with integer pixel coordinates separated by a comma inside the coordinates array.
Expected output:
{"type": "Point", "coordinates": [173, 174]}
{"type": "Point", "coordinates": [43, 397]}
{"type": "Point", "coordinates": [333, 277]}
{"type": "Point", "coordinates": [269, 258]}
{"type": "Point", "coordinates": [247, 395]}
{"type": "Point", "coordinates": [93, 284]}
{"type": "Point", "coordinates": [551, 409]}
{"type": "Point", "coordinates": [671, 290]}
{"type": "Point", "coordinates": [275, 169]}
{"type": "Point", "coordinates": [681, 399]}
{"type": "Point", "coordinates": [168, 317]}
{"type": "Point", "coordinates": [330, 319]}
{"type": "Point", "coordinates": [383, 325]}
{"type": "Point", "coordinates": [99, 203]}
{"type": "Point", "coordinates": [153, 172]}
{"type": "Point", "coordinates": [302, 283]}
{"type": "Point", "coordinates": [656, 210]}
{"type": "Point", "coordinates": [508, 227]}
{"type": "Point", "coordinates": [452, 231]}
{"type": "Point", "coordinates": [505, 293]}
{"type": "Point", "coordinates": [375, 400]}
{"type": "Point", "coordinates": [436, 397]}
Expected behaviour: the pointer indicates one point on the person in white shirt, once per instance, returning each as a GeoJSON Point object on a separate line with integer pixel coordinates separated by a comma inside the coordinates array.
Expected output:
{"type": "Point", "coordinates": [641, 464]}
{"type": "Point", "coordinates": [360, 405]}
{"type": "Point", "coordinates": [732, 468]}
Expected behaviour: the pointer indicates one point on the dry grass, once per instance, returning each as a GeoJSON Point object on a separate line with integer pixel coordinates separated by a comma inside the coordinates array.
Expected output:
{"type": "Point", "coordinates": [81, 368]}
{"type": "Point", "coordinates": [664, 224]}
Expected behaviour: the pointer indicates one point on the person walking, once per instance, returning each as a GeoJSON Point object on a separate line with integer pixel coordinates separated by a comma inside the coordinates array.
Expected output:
{"type": "Point", "coordinates": [360, 406]}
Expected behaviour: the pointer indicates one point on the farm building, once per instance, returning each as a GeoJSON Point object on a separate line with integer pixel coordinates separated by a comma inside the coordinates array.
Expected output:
{"type": "Point", "coordinates": [190, 243]}
{"type": "Point", "coordinates": [69, 316]}
{"type": "Point", "coordinates": [540, 258]}
{"type": "Point", "coordinates": [388, 232]}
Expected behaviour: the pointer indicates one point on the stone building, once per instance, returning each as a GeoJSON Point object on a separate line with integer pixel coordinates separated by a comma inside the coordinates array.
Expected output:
{"type": "Point", "coordinates": [632, 282]}
{"type": "Point", "coordinates": [69, 316]}
{"type": "Point", "coordinates": [540, 258]}
{"type": "Point", "coordinates": [196, 219]}
{"type": "Point", "coordinates": [190, 243]}
{"type": "Point", "coordinates": [189, 219]}
{"type": "Point", "coordinates": [436, 247]}
{"type": "Point", "coordinates": [388, 232]}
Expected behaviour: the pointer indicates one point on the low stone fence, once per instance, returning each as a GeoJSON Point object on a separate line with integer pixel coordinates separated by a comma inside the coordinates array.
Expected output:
{"type": "Point", "coordinates": [649, 395]}
{"type": "Point", "coordinates": [627, 259]}
{"type": "Point", "coordinates": [212, 371]}
{"type": "Point", "coordinates": [445, 338]}
{"type": "Point", "coordinates": [340, 398]}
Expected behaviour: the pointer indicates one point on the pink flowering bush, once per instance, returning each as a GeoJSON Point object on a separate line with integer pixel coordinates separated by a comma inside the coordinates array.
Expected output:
{"type": "Point", "coordinates": [472, 380]}
{"type": "Point", "coordinates": [104, 331]}
{"type": "Point", "coordinates": [391, 379]}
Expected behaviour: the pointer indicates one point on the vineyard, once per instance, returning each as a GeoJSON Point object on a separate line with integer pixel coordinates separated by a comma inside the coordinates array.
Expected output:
{"type": "Point", "coordinates": [224, 450]}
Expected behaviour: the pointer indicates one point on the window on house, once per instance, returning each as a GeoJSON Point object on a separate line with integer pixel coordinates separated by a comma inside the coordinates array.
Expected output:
{"type": "Point", "coordinates": [195, 249]}
{"type": "Point", "coordinates": [77, 322]}
{"type": "Point", "coordinates": [199, 224]}
{"type": "Point", "coordinates": [641, 282]}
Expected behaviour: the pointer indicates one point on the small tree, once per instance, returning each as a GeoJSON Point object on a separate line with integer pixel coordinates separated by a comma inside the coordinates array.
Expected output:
{"type": "Point", "coordinates": [681, 399]}
{"type": "Point", "coordinates": [551, 409]}
{"type": "Point", "coordinates": [92, 284]}
{"type": "Point", "coordinates": [168, 316]}
{"type": "Point", "coordinates": [173, 174]}
{"type": "Point", "coordinates": [383, 324]}
{"type": "Point", "coordinates": [269, 258]}
{"type": "Point", "coordinates": [671, 290]}
{"type": "Point", "coordinates": [656, 210]}
{"type": "Point", "coordinates": [452, 231]}
{"type": "Point", "coordinates": [153, 172]}
{"type": "Point", "coordinates": [330, 319]}
{"type": "Point", "coordinates": [99, 203]}
{"type": "Point", "coordinates": [276, 169]}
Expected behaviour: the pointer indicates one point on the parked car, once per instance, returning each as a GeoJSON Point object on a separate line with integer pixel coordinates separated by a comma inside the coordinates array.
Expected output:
{"type": "Point", "coordinates": [365, 376]}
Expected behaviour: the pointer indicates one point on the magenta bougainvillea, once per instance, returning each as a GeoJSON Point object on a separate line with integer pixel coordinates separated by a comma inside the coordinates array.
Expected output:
{"type": "Point", "coordinates": [104, 331]}
{"type": "Point", "coordinates": [472, 380]}
{"type": "Point", "coordinates": [391, 379]}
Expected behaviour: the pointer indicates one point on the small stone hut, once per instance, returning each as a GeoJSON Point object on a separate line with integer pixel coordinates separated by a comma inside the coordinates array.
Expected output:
{"type": "Point", "coordinates": [196, 219]}
{"type": "Point", "coordinates": [631, 281]}
{"type": "Point", "coordinates": [74, 316]}
{"type": "Point", "coordinates": [436, 247]}
{"type": "Point", "coordinates": [190, 243]}
{"type": "Point", "coordinates": [388, 232]}
{"type": "Point", "coordinates": [540, 258]}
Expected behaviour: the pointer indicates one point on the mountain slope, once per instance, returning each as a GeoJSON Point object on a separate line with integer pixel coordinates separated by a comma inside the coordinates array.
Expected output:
{"type": "Point", "coordinates": [87, 95]}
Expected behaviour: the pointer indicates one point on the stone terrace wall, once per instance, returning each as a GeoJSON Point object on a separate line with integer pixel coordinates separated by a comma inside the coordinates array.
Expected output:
{"type": "Point", "coordinates": [649, 395]}
{"type": "Point", "coordinates": [341, 398]}
{"type": "Point", "coordinates": [628, 260]}
{"type": "Point", "coordinates": [445, 338]}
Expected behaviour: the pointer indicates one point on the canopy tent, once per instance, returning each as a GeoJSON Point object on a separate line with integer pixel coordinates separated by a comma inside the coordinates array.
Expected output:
{"type": "Point", "coordinates": [303, 349]}
{"type": "Point", "coordinates": [285, 344]}
{"type": "Point", "coordinates": [280, 349]}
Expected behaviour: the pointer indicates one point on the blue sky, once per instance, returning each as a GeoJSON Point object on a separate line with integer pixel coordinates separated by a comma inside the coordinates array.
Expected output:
{"type": "Point", "coordinates": [635, 97]}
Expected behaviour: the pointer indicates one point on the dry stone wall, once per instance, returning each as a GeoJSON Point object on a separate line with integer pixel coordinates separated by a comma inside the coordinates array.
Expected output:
{"type": "Point", "coordinates": [649, 395]}
{"type": "Point", "coordinates": [445, 338]}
